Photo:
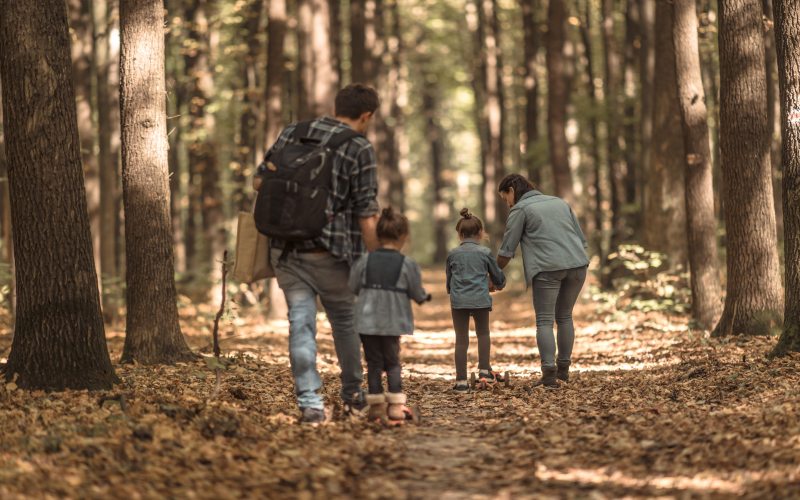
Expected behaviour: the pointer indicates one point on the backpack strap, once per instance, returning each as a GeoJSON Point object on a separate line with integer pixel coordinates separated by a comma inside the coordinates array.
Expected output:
{"type": "Point", "coordinates": [340, 138]}
{"type": "Point", "coordinates": [301, 130]}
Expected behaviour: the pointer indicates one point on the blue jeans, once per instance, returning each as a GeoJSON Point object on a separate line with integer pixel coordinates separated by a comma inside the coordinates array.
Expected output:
{"type": "Point", "coordinates": [554, 296]}
{"type": "Point", "coordinates": [303, 277]}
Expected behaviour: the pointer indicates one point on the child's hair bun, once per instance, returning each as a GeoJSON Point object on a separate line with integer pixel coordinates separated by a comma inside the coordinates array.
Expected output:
{"type": "Point", "coordinates": [387, 212]}
{"type": "Point", "coordinates": [465, 213]}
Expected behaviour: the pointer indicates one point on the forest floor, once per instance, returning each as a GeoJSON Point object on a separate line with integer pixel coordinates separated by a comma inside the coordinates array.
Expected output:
{"type": "Point", "coordinates": [652, 409]}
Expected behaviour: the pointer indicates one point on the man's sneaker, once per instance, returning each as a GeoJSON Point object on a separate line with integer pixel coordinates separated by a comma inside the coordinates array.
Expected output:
{"type": "Point", "coordinates": [462, 386]}
{"type": "Point", "coordinates": [312, 416]}
{"type": "Point", "coordinates": [355, 404]}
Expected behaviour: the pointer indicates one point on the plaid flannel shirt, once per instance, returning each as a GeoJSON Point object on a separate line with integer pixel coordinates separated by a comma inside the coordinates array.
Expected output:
{"type": "Point", "coordinates": [354, 191]}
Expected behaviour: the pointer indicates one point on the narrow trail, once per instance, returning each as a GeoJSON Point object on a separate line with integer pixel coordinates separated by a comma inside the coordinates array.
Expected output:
{"type": "Point", "coordinates": [652, 409]}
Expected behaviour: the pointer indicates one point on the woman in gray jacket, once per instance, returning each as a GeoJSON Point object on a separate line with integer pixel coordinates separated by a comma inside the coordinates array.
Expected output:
{"type": "Point", "coordinates": [555, 262]}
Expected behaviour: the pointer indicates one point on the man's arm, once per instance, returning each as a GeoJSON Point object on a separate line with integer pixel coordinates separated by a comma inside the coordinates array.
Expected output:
{"type": "Point", "coordinates": [369, 232]}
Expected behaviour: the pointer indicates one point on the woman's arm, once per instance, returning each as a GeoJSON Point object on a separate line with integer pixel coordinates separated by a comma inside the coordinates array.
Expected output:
{"type": "Point", "coordinates": [515, 225]}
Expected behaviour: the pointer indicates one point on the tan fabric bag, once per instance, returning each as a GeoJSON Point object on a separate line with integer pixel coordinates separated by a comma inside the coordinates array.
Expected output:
{"type": "Point", "coordinates": [252, 252]}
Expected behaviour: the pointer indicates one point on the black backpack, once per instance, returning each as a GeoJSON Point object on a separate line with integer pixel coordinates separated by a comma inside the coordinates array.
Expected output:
{"type": "Point", "coordinates": [296, 184]}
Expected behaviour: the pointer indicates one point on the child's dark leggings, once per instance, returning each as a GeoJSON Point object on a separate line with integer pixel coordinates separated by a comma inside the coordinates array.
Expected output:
{"type": "Point", "coordinates": [461, 326]}
{"type": "Point", "coordinates": [383, 355]}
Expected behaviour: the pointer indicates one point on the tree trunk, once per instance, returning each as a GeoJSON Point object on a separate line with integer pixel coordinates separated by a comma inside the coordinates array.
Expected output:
{"type": "Point", "coordinates": [530, 26]}
{"type": "Point", "coordinates": [631, 153]}
{"type": "Point", "coordinates": [773, 110]}
{"type": "Point", "coordinates": [701, 225]}
{"type": "Point", "coordinates": [557, 97]}
{"type": "Point", "coordinates": [665, 204]}
{"type": "Point", "coordinates": [646, 76]}
{"type": "Point", "coordinates": [107, 121]}
{"type": "Point", "coordinates": [611, 89]}
{"type": "Point", "coordinates": [80, 13]}
{"type": "Point", "coordinates": [435, 136]}
{"type": "Point", "coordinates": [336, 37]}
{"type": "Point", "coordinates": [494, 117]}
{"type": "Point", "coordinates": [5, 220]}
{"type": "Point", "coordinates": [59, 338]}
{"type": "Point", "coordinates": [204, 193]}
{"type": "Point", "coordinates": [153, 334]}
{"type": "Point", "coordinates": [787, 38]}
{"type": "Point", "coordinates": [600, 241]}
{"type": "Point", "coordinates": [358, 46]}
{"type": "Point", "coordinates": [391, 119]}
{"type": "Point", "coordinates": [276, 26]}
{"type": "Point", "coordinates": [248, 119]}
{"type": "Point", "coordinates": [176, 111]}
{"type": "Point", "coordinates": [319, 78]}
{"type": "Point", "coordinates": [754, 303]}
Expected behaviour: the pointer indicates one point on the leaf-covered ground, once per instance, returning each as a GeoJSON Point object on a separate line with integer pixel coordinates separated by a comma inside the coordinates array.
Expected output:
{"type": "Point", "coordinates": [653, 409]}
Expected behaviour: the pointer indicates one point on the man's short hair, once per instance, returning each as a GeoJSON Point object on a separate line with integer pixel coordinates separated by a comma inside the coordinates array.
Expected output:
{"type": "Point", "coordinates": [355, 100]}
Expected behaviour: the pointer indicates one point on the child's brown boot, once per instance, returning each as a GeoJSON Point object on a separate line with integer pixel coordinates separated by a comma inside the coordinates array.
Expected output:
{"type": "Point", "coordinates": [397, 405]}
{"type": "Point", "coordinates": [377, 407]}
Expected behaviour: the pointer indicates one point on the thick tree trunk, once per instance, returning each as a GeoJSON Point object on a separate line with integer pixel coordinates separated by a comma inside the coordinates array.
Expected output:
{"type": "Point", "coordinates": [701, 225]}
{"type": "Point", "coordinates": [787, 38]}
{"type": "Point", "coordinates": [631, 132]}
{"type": "Point", "coordinates": [611, 89]}
{"type": "Point", "coordinates": [107, 121]}
{"type": "Point", "coordinates": [336, 37]}
{"type": "Point", "coordinates": [754, 302]}
{"type": "Point", "coordinates": [647, 62]}
{"type": "Point", "coordinates": [248, 119]}
{"type": "Point", "coordinates": [494, 116]}
{"type": "Point", "coordinates": [319, 78]}
{"type": "Point", "coordinates": [600, 241]}
{"type": "Point", "coordinates": [276, 33]}
{"type": "Point", "coordinates": [530, 26]}
{"type": "Point", "coordinates": [391, 119]}
{"type": "Point", "coordinates": [358, 47]}
{"type": "Point", "coordinates": [665, 204]}
{"type": "Point", "coordinates": [153, 333]}
{"type": "Point", "coordinates": [205, 197]}
{"type": "Point", "coordinates": [59, 338]}
{"type": "Point", "coordinates": [80, 14]}
{"type": "Point", "coordinates": [557, 98]}
{"type": "Point", "coordinates": [435, 136]}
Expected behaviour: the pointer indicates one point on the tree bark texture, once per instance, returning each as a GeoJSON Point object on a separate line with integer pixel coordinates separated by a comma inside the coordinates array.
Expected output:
{"type": "Point", "coordinates": [612, 90]}
{"type": "Point", "coordinates": [107, 122]}
{"type": "Point", "coordinates": [153, 334]}
{"type": "Point", "coordinates": [557, 98]}
{"type": "Point", "coordinates": [665, 204]}
{"type": "Point", "coordinates": [493, 116]}
{"type": "Point", "coordinates": [787, 38]}
{"type": "Point", "coordinates": [436, 141]}
{"type": "Point", "coordinates": [318, 75]}
{"type": "Point", "coordinates": [205, 195]}
{"type": "Point", "coordinates": [631, 131]}
{"type": "Point", "coordinates": [647, 61]}
{"type": "Point", "coordinates": [754, 302]}
{"type": "Point", "coordinates": [701, 224]}
{"type": "Point", "coordinates": [530, 27]}
{"type": "Point", "coordinates": [59, 338]}
{"type": "Point", "coordinates": [248, 119]}
{"type": "Point", "coordinates": [276, 34]}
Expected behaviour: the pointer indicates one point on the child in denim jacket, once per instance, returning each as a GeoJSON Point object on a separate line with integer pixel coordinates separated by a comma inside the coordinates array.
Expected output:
{"type": "Point", "coordinates": [470, 268]}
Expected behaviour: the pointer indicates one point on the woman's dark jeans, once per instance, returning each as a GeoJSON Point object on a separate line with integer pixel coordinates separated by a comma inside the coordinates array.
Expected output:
{"type": "Point", "coordinates": [554, 296]}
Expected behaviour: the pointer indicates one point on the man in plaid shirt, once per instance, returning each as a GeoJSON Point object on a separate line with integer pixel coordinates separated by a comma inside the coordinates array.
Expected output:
{"type": "Point", "coordinates": [321, 267]}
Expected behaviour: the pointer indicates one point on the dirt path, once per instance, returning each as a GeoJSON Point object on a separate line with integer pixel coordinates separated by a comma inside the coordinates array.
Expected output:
{"type": "Point", "coordinates": [652, 409]}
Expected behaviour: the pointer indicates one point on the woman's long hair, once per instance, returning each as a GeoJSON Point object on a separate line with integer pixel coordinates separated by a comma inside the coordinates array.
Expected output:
{"type": "Point", "coordinates": [520, 184]}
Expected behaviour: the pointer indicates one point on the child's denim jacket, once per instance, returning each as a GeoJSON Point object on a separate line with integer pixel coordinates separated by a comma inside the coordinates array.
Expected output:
{"type": "Point", "coordinates": [469, 269]}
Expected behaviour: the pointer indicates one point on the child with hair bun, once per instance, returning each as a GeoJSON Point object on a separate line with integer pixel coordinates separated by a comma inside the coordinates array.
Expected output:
{"type": "Point", "coordinates": [385, 281]}
{"type": "Point", "coordinates": [470, 269]}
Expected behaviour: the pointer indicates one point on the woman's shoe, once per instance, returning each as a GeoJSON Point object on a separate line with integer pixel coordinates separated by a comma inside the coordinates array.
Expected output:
{"type": "Point", "coordinates": [548, 379]}
{"type": "Point", "coordinates": [562, 372]}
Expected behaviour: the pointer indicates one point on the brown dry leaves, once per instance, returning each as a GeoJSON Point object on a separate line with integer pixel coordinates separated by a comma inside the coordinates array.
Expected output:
{"type": "Point", "coordinates": [652, 410]}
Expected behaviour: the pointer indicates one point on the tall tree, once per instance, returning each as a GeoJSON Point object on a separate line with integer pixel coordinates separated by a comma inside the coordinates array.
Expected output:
{"type": "Point", "coordinates": [530, 27]}
{"type": "Point", "coordinates": [107, 122]}
{"type": "Point", "coordinates": [558, 86]}
{"type": "Point", "coordinates": [646, 76]}
{"type": "Point", "coordinates": [59, 338]}
{"type": "Point", "coordinates": [204, 192]}
{"type": "Point", "coordinates": [787, 38]}
{"type": "Point", "coordinates": [435, 135]}
{"type": "Point", "coordinates": [493, 114]}
{"type": "Point", "coordinates": [701, 224]}
{"type": "Point", "coordinates": [754, 301]}
{"type": "Point", "coordinates": [153, 334]}
{"type": "Point", "coordinates": [665, 205]}
{"type": "Point", "coordinates": [631, 132]}
{"type": "Point", "coordinates": [80, 14]}
{"type": "Point", "coordinates": [276, 26]}
{"type": "Point", "coordinates": [248, 119]}
{"type": "Point", "coordinates": [611, 89]}
{"type": "Point", "coordinates": [318, 75]}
